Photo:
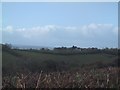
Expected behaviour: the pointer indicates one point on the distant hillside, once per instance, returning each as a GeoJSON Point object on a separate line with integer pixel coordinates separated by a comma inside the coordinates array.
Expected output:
{"type": "Point", "coordinates": [30, 47]}
{"type": "Point", "coordinates": [15, 60]}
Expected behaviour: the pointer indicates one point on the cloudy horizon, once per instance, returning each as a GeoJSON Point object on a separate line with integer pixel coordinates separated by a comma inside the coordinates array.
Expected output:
{"type": "Point", "coordinates": [60, 24]}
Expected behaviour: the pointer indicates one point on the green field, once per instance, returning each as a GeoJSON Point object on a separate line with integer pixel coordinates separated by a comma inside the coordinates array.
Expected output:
{"type": "Point", "coordinates": [48, 69]}
{"type": "Point", "coordinates": [35, 61]}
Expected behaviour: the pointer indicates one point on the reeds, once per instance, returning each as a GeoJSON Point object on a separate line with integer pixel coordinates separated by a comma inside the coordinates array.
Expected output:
{"type": "Point", "coordinates": [98, 78]}
{"type": "Point", "coordinates": [38, 80]}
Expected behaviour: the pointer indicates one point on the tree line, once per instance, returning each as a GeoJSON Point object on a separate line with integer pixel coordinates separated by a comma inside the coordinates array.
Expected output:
{"type": "Point", "coordinates": [65, 50]}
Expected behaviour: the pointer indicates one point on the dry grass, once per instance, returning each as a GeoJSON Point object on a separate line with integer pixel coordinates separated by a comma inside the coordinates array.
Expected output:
{"type": "Point", "coordinates": [81, 78]}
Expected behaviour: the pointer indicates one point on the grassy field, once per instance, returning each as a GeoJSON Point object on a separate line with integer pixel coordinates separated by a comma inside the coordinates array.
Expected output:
{"type": "Point", "coordinates": [36, 69]}
{"type": "Point", "coordinates": [36, 60]}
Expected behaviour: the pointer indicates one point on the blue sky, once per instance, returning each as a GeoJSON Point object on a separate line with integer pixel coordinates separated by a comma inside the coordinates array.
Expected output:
{"type": "Point", "coordinates": [60, 24]}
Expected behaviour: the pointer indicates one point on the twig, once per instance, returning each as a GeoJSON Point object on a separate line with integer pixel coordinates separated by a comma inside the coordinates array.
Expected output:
{"type": "Point", "coordinates": [39, 79]}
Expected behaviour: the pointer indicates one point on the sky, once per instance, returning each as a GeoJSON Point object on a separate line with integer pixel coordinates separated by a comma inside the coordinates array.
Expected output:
{"type": "Point", "coordinates": [88, 24]}
{"type": "Point", "coordinates": [60, 0]}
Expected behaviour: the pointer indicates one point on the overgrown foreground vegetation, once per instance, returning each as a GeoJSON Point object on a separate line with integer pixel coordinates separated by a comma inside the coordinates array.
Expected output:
{"type": "Point", "coordinates": [60, 68]}
{"type": "Point", "coordinates": [82, 78]}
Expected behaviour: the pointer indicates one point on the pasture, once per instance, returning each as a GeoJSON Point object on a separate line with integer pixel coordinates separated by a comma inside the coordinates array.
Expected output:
{"type": "Point", "coordinates": [48, 69]}
{"type": "Point", "coordinates": [36, 61]}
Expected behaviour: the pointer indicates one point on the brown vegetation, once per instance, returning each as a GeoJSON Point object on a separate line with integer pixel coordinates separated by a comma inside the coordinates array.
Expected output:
{"type": "Point", "coordinates": [79, 78]}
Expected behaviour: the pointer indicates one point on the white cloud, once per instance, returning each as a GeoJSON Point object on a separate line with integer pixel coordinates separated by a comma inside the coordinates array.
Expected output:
{"type": "Point", "coordinates": [9, 29]}
{"type": "Point", "coordinates": [30, 32]}
{"type": "Point", "coordinates": [90, 30]}
{"type": "Point", "coordinates": [91, 34]}
{"type": "Point", "coordinates": [115, 30]}
{"type": "Point", "coordinates": [69, 28]}
{"type": "Point", "coordinates": [92, 26]}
